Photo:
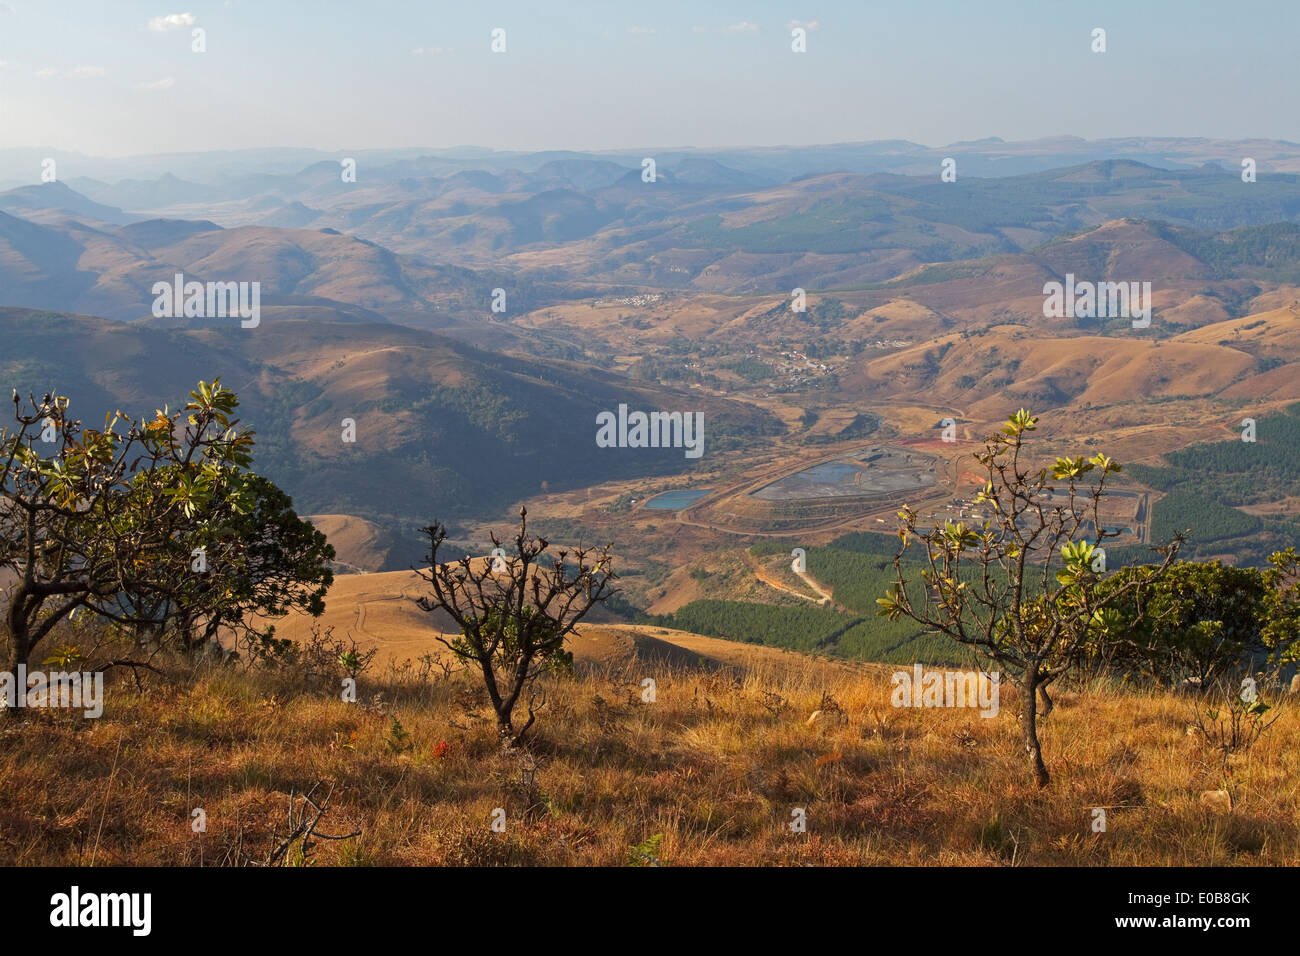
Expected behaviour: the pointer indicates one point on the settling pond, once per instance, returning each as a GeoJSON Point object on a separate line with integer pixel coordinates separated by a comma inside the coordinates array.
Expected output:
{"type": "Point", "coordinates": [877, 473]}
{"type": "Point", "coordinates": [676, 500]}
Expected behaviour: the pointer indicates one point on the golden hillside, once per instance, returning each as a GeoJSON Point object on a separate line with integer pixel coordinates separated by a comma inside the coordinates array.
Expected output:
{"type": "Point", "coordinates": [711, 771]}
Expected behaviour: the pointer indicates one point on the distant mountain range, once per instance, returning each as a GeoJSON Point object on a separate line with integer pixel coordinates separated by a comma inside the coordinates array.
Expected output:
{"type": "Point", "coordinates": [68, 255]}
{"type": "Point", "coordinates": [991, 156]}
{"type": "Point", "coordinates": [377, 301]}
{"type": "Point", "coordinates": [440, 243]}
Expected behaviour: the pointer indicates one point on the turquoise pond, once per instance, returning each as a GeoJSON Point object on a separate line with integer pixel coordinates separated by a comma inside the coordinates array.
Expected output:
{"type": "Point", "coordinates": [676, 500]}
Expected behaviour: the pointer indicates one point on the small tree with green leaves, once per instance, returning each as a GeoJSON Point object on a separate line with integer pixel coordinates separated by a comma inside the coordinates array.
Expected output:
{"type": "Point", "coordinates": [89, 516]}
{"type": "Point", "coordinates": [263, 562]}
{"type": "Point", "coordinates": [1281, 630]}
{"type": "Point", "coordinates": [514, 617]}
{"type": "Point", "coordinates": [1022, 587]}
{"type": "Point", "coordinates": [1201, 620]}
{"type": "Point", "coordinates": [1205, 621]}
{"type": "Point", "coordinates": [155, 524]}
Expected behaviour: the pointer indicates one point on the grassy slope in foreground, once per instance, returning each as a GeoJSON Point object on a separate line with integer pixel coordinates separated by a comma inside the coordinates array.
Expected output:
{"type": "Point", "coordinates": [715, 765]}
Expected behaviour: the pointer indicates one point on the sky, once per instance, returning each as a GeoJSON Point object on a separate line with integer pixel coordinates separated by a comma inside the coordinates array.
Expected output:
{"type": "Point", "coordinates": [119, 78]}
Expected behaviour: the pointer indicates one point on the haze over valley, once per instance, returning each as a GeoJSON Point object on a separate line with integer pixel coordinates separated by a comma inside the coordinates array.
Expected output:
{"type": "Point", "coordinates": [472, 312]}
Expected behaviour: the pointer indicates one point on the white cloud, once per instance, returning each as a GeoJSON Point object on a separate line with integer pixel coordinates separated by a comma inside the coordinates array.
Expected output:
{"type": "Point", "coordinates": [810, 26]}
{"type": "Point", "coordinates": [6, 8]}
{"type": "Point", "coordinates": [641, 31]}
{"type": "Point", "coordinates": [166, 83]}
{"type": "Point", "coordinates": [744, 26]}
{"type": "Point", "coordinates": [76, 73]}
{"type": "Point", "coordinates": [6, 65]}
{"type": "Point", "coordinates": [430, 50]}
{"type": "Point", "coordinates": [172, 21]}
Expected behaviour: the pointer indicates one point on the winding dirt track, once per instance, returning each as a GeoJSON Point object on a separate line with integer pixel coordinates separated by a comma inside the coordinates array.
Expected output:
{"type": "Point", "coordinates": [824, 596]}
{"type": "Point", "coordinates": [812, 583]}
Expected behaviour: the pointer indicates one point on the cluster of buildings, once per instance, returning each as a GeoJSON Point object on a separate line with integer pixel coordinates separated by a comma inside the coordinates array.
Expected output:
{"type": "Point", "coordinates": [640, 301]}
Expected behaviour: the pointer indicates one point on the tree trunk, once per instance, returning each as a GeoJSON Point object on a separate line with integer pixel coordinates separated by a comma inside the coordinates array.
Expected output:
{"type": "Point", "coordinates": [19, 650]}
{"type": "Point", "coordinates": [1029, 726]}
{"type": "Point", "coordinates": [19, 638]}
{"type": "Point", "coordinates": [500, 706]}
{"type": "Point", "coordinates": [1047, 701]}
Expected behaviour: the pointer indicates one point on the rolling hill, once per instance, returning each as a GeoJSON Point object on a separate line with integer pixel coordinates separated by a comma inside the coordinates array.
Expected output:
{"type": "Point", "coordinates": [728, 222]}
{"type": "Point", "coordinates": [110, 271]}
{"type": "Point", "coordinates": [441, 429]}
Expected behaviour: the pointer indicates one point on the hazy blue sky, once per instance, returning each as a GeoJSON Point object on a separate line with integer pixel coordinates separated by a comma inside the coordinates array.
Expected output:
{"type": "Point", "coordinates": [95, 77]}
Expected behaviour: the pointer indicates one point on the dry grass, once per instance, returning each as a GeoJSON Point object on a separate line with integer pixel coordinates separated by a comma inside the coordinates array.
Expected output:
{"type": "Point", "coordinates": [716, 764]}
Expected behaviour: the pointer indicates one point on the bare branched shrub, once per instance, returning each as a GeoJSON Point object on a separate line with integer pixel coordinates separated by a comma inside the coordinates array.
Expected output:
{"type": "Point", "coordinates": [297, 842]}
{"type": "Point", "coordinates": [1231, 720]}
{"type": "Point", "coordinates": [324, 660]}
{"type": "Point", "coordinates": [514, 614]}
